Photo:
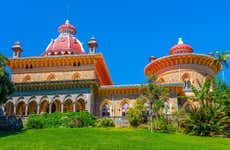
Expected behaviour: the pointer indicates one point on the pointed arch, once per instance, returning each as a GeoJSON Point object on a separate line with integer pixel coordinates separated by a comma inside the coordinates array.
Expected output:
{"type": "Point", "coordinates": [105, 108]}
{"type": "Point", "coordinates": [51, 77]}
{"type": "Point", "coordinates": [26, 78]}
{"type": "Point", "coordinates": [76, 75]}
{"type": "Point", "coordinates": [44, 106]}
{"type": "Point", "coordinates": [9, 108]}
{"type": "Point", "coordinates": [80, 106]}
{"type": "Point", "coordinates": [68, 105]}
{"type": "Point", "coordinates": [21, 108]}
{"type": "Point", "coordinates": [32, 107]}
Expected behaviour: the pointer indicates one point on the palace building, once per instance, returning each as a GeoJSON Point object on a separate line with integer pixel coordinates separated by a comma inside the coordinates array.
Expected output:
{"type": "Point", "coordinates": [67, 78]}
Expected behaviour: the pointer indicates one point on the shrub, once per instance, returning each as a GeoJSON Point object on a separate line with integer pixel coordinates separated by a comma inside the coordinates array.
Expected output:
{"type": "Point", "coordinates": [137, 114]}
{"type": "Point", "coordinates": [105, 122]}
{"type": "Point", "coordinates": [144, 126]}
{"type": "Point", "coordinates": [56, 120]}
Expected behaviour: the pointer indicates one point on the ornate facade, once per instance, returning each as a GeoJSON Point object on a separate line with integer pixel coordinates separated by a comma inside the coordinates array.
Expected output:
{"type": "Point", "coordinates": [67, 78]}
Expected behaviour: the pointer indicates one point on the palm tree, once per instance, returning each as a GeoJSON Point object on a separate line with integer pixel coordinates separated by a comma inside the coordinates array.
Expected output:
{"type": "Point", "coordinates": [222, 58]}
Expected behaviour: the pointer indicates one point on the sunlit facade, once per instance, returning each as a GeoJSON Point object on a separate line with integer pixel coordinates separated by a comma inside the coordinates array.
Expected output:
{"type": "Point", "coordinates": [66, 78]}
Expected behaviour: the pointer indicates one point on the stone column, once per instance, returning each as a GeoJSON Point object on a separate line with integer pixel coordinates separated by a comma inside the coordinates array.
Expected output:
{"type": "Point", "coordinates": [26, 111]}
{"type": "Point", "coordinates": [74, 107]}
{"type": "Point", "coordinates": [15, 109]}
{"type": "Point", "coordinates": [62, 107]}
{"type": "Point", "coordinates": [38, 108]}
{"type": "Point", "coordinates": [50, 106]}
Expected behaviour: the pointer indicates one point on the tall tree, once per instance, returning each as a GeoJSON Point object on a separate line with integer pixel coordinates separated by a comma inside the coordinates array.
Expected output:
{"type": "Point", "coordinates": [157, 94]}
{"type": "Point", "coordinates": [6, 86]}
{"type": "Point", "coordinates": [222, 58]}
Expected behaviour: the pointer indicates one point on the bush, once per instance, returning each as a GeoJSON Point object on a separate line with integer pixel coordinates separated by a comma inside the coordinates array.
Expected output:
{"type": "Point", "coordinates": [137, 114]}
{"type": "Point", "coordinates": [105, 122]}
{"type": "Point", "coordinates": [56, 120]}
{"type": "Point", "coordinates": [144, 126]}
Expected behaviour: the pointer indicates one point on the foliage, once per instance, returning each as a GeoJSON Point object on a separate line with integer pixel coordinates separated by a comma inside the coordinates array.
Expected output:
{"type": "Point", "coordinates": [157, 94]}
{"type": "Point", "coordinates": [222, 58]}
{"type": "Point", "coordinates": [105, 122]}
{"type": "Point", "coordinates": [106, 138]}
{"type": "Point", "coordinates": [138, 113]}
{"type": "Point", "coordinates": [56, 120]}
{"type": "Point", "coordinates": [6, 86]}
{"type": "Point", "coordinates": [209, 118]}
{"type": "Point", "coordinates": [10, 123]}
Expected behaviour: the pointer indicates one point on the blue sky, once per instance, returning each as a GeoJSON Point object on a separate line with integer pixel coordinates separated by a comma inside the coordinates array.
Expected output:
{"type": "Point", "coordinates": [128, 32]}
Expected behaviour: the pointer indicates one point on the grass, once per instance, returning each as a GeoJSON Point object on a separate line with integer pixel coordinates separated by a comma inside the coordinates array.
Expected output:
{"type": "Point", "coordinates": [108, 139]}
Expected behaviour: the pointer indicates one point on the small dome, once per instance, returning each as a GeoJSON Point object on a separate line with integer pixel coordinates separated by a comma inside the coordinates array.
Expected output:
{"type": "Point", "coordinates": [67, 27]}
{"type": "Point", "coordinates": [181, 48]}
{"type": "Point", "coordinates": [65, 43]}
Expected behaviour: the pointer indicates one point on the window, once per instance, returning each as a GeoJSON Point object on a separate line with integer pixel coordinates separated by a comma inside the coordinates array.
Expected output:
{"type": "Point", "coordinates": [124, 109]}
{"type": "Point", "coordinates": [105, 110]}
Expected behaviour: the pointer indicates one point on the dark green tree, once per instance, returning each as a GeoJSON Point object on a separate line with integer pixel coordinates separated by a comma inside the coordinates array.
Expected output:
{"type": "Point", "coordinates": [6, 86]}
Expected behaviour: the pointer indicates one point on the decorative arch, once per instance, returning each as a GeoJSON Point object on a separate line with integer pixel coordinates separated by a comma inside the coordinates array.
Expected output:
{"type": "Point", "coordinates": [32, 107]}
{"type": "Point", "coordinates": [21, 108]}
{"type": "Point", "coordinates": [186, 79]}
{"type": "Point", "coordinates": [68, 105]}
{"type": "Point", "coordinates": [9, 108]}
{"type": "Point", "coordinates": [44, 106]}
{"type": "Point", "coordinates": [76, 75]}
{"type": "Point", "coordinates": [124, 106]}
{"type": "Point", "coordinates": [80, 105]}
{"type": "Point", "coordinates": [33, 98]}
{"type": "Point", "coordinates": [105, 108]}
{"type": "Point", "coordinates": [161, 80]}
{"type": "Point", "coordinates": [187, 105]}
{"type": "Point", "coordinates": [43, 98]}
{"type": "Point", "coordinates": [51, 77]}
{"type": "Point", "coordinates": [26, 78]}
{"type": "Point", "coordinates": [56, 106]}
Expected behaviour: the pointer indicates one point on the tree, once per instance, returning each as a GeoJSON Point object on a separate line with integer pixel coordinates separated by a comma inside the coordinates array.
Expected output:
{"type": "Point", "coordinates": [6, 86]}
{"type": "Point", "coordinates": [157, 94]}
{"type": "Point", "coordinates": [209, 118]}
{"type": "Point", "coordinates": [222, 58]}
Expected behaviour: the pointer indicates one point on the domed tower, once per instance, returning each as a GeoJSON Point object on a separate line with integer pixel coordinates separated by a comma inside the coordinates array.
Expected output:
{"type": "Point", "coordinates": [182, 68]}
{"type": "Point", "coordinates": [65, 43]}
{"type": "Point", "coordinates": [17, 50]}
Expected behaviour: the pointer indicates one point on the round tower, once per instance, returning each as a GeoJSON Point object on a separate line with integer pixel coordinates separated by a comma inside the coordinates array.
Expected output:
{"type": "Point", "coordinates": [17, 50]}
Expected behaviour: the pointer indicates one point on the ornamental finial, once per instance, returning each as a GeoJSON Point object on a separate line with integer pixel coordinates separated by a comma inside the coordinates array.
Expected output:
{"type": "Point", "coordinates": [67, 21]}
{"type": "Point", "coordinates": [180, 41]}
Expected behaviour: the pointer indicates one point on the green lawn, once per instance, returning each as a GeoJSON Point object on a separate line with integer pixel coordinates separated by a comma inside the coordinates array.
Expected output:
{"type": "Point", "coordinates": [108, 139]}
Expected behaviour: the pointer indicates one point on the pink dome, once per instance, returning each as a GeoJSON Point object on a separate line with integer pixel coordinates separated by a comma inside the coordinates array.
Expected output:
{"type": "Point", "coordinates": [181, 48]}
{"type": "Point", "coordinates": [65, 43]}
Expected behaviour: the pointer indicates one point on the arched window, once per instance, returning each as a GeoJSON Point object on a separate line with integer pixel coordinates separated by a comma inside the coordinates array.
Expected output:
{"type": "Point", "coordinates": [105, 110]}
{"type": "Point", "coordinates": [187, 82]}
{"type": "Point", "coordinates": [124, 109]}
